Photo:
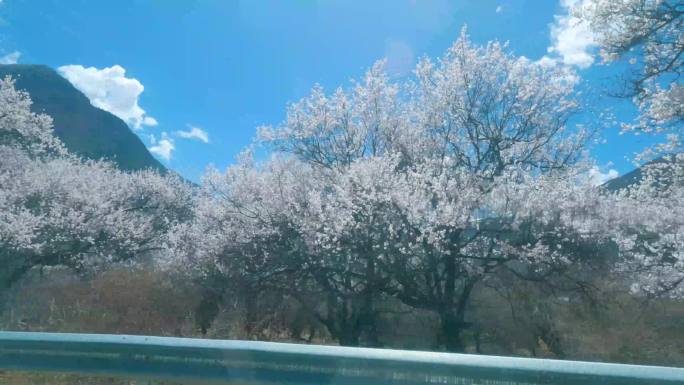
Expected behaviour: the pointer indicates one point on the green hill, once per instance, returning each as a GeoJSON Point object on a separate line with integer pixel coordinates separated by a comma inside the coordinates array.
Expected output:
{"type": "Point", "coordinates": [86, 130]}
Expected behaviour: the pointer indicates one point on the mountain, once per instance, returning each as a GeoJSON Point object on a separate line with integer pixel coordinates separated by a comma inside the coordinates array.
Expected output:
{"type": "Point", "coordinates": [85, 130]}
{"type": "Point", "coordinates": [623, 181]}
{"type": "Point", "coordinates": [633, 177]}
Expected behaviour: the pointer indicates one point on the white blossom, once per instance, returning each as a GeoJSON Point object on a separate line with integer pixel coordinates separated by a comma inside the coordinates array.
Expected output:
{"type": "Point", "coordinates": [649, 34]}
{"type": "Point", "coordinates": [59, 209]}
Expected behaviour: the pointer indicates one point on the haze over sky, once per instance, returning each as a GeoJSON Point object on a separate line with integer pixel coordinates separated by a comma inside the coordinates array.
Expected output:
{"type": "Point", "coordinates": [194, 78]}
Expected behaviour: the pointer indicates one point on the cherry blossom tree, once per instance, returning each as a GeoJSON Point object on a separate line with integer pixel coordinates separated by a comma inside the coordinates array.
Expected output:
{"type": "Point", "coordinates": [489, 110]}
{"type": "Point", "coordinates": [649, 35]}
{"type": "Point", "coordinates": [22, 129]}
{"type": "Point", "coordinates": [56, 208]}
{"type": "Point", "coordinates": [334, 130]}
{"type": "Point", "coordinates": [414, 177]}
{"type": "Point", "coordinates": [243, 239]}
{"type": "Point", "coordinates": [649, 230]}
{"type": "Point", "coordinates": [420, 189]}
{"type": "Point", "coordinates": [349, 229]}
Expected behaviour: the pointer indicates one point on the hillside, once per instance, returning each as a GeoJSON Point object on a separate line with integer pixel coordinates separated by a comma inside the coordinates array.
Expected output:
{"type": "Point", "coordinates": [85, 129]}
{"type": "Point", "coordinates": [630, 178]}
{"type": "Point", "coordinates": [623, 181]}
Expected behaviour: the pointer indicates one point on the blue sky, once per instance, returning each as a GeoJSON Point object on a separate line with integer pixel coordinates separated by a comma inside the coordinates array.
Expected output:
{"type": "Point", "coordinates": [195, 78]}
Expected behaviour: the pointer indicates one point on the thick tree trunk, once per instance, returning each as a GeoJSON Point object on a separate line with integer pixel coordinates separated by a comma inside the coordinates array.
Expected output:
{"type": "Point", "coordinates": [452, 327]}
{"type": "Point", "coordinates": [251, 301]}
{"type": "Point", "coordinates": [346, 332]}
{"type": "Point", "coordinates": [452, 319]}
{"type": "Point", "coordinates": [343, 320]}
{"type": "Point", "coordinates": [369, 331]}
{"type": "Point", "coordinates": [368, 320]}
{"type": "Point", "coordinates": [349, 336]}
{"type": "Point", "coordinates": [207, 310]}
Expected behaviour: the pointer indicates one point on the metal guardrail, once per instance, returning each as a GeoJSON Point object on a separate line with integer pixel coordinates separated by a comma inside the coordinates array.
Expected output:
{"type": "Point", "coordinates": [247, 362]}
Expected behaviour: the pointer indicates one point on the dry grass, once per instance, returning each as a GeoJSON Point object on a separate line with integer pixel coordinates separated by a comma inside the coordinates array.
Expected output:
{"type": "Point", "coordinates": [120, 301]}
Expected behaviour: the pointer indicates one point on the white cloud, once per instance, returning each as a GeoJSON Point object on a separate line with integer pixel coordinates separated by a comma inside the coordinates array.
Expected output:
{"type": "Point", "coordinates": [400, 57]}
{"type": "Point", "coordinates": [194, 133]}
{"type": "Point", "coordinates": [572, 40]}
{"type": "Point", "coordinates": [164, 147]}
{"type": "Point", "coordinates": [499, 9]}
{"type": "Point", "coordinates": [10, 58]}
{"type": "Point", "coordinates": [547, 61]}
{"type": "Point", "coordinates": [149, 121]}
{"type": "Point", "coordinates": [110, 90]}
{"type": "Point", "coordinates": [566, 74]}
{"type": "Point", "coordinates": [598, 178]}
